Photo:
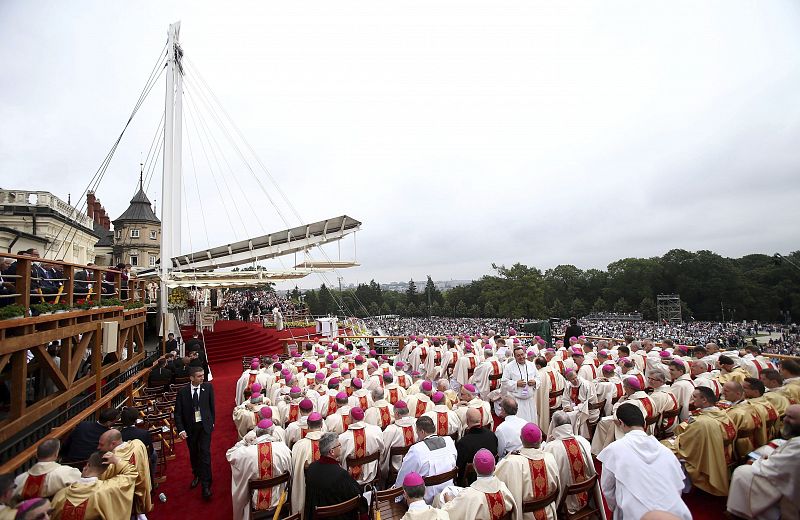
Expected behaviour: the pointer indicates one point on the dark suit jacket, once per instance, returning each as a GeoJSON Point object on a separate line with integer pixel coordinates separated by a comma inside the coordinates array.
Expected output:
{"type": "Point", "coordinates": [467, 446]}
{"type": "Point", "coordinates": [83, 440]}
{"type": "Point", "coordinates": [132, 432]}
{"type": "Point", "coordinates": [184, 410]}
{"type": "Point", "coordinates": [570, 331]}
{"type": "Point", "coordinates": [160, 376]}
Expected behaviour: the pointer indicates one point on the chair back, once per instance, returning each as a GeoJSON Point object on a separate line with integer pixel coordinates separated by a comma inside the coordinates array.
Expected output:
{"type": "Point", "coordinates": [590, 509]}
{"type": "Point", "coordinates": [384, 504]}
{"type": "Point", "coordinates": [441, 478]}
{"type": "Point", "coordinates": [348, 506]}
{"type": "Point", "coordinates": [531, 506]}
{"type": "Point", "coordinates": [360, 461]}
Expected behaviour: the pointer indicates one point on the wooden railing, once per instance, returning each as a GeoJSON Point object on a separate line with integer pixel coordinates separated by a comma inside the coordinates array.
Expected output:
{"type": "Point", "coordinates": [18, 456]}
{"type": "Point", "coordinates": [40, 386]}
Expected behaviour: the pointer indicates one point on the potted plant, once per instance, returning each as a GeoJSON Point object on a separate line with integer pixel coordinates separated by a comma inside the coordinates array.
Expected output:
{"type": "Point", "coordinates": [41, 309]}
{"type": "Point", "coordinates": [59, 308]}
{"type": "Point", "coordinates": [12, 311]}
{"type": "Point", "coordinates": [83, 304]}
{"type": "Point", "coordinates": [110, 302]}
{"type": "Point", "coordinates": [134, 305]}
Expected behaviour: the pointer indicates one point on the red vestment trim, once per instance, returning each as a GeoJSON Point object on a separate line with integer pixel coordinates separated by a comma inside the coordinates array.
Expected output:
{"type": "Point", "coordinates": [359, 450]}
{"type": "Point", "coordinates": [34, 486]}
{"type": "Point", "coordinates": [265, 467]}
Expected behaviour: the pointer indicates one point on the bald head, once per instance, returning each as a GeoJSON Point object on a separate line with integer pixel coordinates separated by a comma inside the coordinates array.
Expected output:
{"type": "Point", "coordinates": [473, 417]}
{"type": "Point", "coordinates": [109, 440]}
{"type": "Point", "coordinates": [443, 385]}
{"type": "Point", "coordinates": [733, 391]}
{"type": "Point", "coordinates": [791, 422]}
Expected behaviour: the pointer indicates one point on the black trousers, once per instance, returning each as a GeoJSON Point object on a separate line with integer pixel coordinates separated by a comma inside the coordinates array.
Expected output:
{"type": "Point", "coordinates": [199, 443]}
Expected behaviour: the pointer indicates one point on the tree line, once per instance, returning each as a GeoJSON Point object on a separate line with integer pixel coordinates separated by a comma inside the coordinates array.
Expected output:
{"type": "Point", "coordinates": [711, 287]}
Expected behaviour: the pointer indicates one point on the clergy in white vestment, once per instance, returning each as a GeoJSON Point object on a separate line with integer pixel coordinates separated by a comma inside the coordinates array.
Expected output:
{"type": "Point", "coordinates": [359, 440]}
{"type": "Point", "coordinates": [578, 395]}
{"type": "Point", "coordinates": [420, 403]}
{"type": "Point", "coordinates": [433, 362]}
{"type": "Point", "coordinates": [414, 492]}
{"type": "Point", "coordinates": [299, 428]}
{"type": "Point", "coordinates": [470, 399]}
{"type": "Point", "coordinates": [381, 413]}
{"type": "Point", "coordinates": [770, 488]}
{"type": "Point", "coordinates": [639, 473]}
{"type": "Point", "coordinates": [682, 386]}
{"type": "Point", "coordinates": [304, 452]}
{"type": "Point", "coordinates": [338, 421]}
{"type": "Point", "coordinates": [508, 433]}
{"type": "Point", "coordinates": [47, 476]}
{"type": "Point", "coordinates": [573, 455]}
{"type": "Point", "coordinates": [289, 409]}
{"type": "Point", "coordinates": [608, 387]}
{"type": "Point", "coordinates": [530, 473]}
{"type": "Point", "coordinates": [465, 366]}
{"type": "Point", "coordinates": [521, 379]}
{"type": "Point", "coordinates": [248, 379]}
{"type": "Point", "coordinates": [361, 396]}
{"type": "Point", "coordinates": [326, 404]}
{"type": "Point", "coordinates": [266, 458]}
{"type": "Point", "coordinates": [490, 366]}
{"type": "Point", "coordinates": [608, 429]}
{"type": "Point", "coordinates": [394, 390]}
{"type": "Point", "coordinates": [552, 381]}
{"type": "Point", "coordinates": [487, 498]}
{"type": "Point", "coordinates": [432, 455]}
{"type": "Point", "coordinates": [400, 433]}
{"type": "Point", "coordinates": [663, 400]}
{"type": "Point", "coordinates": [446, 421]}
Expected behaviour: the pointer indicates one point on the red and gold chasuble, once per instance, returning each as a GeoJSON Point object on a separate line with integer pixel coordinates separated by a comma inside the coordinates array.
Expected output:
{"type": "Point", "coordinates": [132, 460]}
{"type": "Point", "coordinates": [303, 433]}
{"type": "Point", "coordinates": [402, 380]}
{"type": "Point", "coordinates": [349, 390]}
{"type": "Point", "coordinates": [577, 467]}
{"type": "Point", "coordinates": [619, 389]}
{"type": "Point", "coordinates": [647, 404]}
{"type": "Point", "coordinates": [669, 422]}
{"type": "Point", "coordinates": [552, 376]}
{"type": "Point", "coordinates": [441, 423]}
{"type": "Point", "coordinates": [315, 450]}
{"type": "Point", "coordinates": [493, 384]}
{"type": "Point", "coordinates": [332, 404]}
{"type": "Point", "coordinates": [70, 512]}
{"type": "Point", "coordinates": [497, 506]}
{"type": "Point", "coordinates": [472, 362]}
{"type": "Point", "coordinates": [539, 484]}
{"type": "Point", "coordinates": [265, 467]}
{"type": "Point", "coordinates": [294, 413]}
{"type": "Point", "coordinates": [729, 429]}
{"type": "Point", "coordinates": [250, 380]}
{"type": "Point", "coordinates": [362, 402]}
{"type": "Point", "coordinates": [359, 450]}
{"type": "Point", "coordinates": [560, 367]}
{"type": "Point", "coordinates": [386, 419]}
{"type": "Point", "coordinates": [420, 408]}
{"type": "Point", "coordinates": [345, 421]}
{"type": "Point", "coordinates": [574, 394]}
{"type": "Point", "coordinates": [34, 486]}
{"type": "Point", "coordinates": [394, 396]}
{"type": "Point", "coordinates": [408, 435]}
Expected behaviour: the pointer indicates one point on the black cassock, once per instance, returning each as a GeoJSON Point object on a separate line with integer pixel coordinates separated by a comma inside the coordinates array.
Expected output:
{"type": "Point", "coordinates": [327, 483]}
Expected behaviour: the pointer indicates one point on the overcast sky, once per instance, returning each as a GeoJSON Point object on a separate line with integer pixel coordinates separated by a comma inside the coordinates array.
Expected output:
{"type": "Point", "coordinates": [459, 133]}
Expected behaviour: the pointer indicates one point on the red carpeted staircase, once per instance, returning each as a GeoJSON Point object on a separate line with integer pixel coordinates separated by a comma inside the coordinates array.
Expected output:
{"type": "Point", "coordinates": [233, 339]}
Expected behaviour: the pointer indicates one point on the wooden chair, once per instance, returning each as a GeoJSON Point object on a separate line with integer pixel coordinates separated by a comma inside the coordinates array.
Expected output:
{"type": "Point", "coordinates": [590, 509]}
{"type": "Point", "coordinates": [441, 478]}
{"type": "Point", "coordinates": [661, 432]}
{"type": "Point", "coordinates": [531, 506]}
{"type": "Point", "coordinates": [470, 475]}
{"type": "Point", "coordinates": [651, 421]}
{"type": "Point", "coordinates": [257, 484]}
{"type": "Point", "coordinates": [352, 462]}
{"type": "Point", "coordinates": [393, 452]}
{"type": "Point", "coordinates": [593, 424]}
{"type": "Point", "coordinates": [384, 503]}
{"type": "Point", "coordinates": [341, 509]}
{"type": "Point", "coordinates": [157, 438]}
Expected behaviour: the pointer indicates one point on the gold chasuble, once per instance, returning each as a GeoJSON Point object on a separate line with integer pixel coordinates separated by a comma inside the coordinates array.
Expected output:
{"type": "Point", "coordinates": [92, 498]}
{"type": "Point", "coordinates": [705, 443]}
{"type": "Point", "coordinates": [135, 452]}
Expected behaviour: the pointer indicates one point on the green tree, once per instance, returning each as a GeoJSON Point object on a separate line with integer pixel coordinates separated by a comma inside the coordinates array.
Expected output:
{"type": "Point", "coordinates": [374, 309]}
{"type": "Point", "coordinates": [461, 309]}
{"type": "Point", "coordinates": [648, 309]}
{"type": "Point", "coordinates": [385, 309]}
{"type": "Point", "coordinates": [401, 309]}
{"type": "Point", "coordinates": [411, 292]}
{"type": "Point", "coordinates": [578, 308]}
{"type": "Point", "coordinates": [557, 310]}
{"type": "Point", "coordinates": [622, 306]}
{"type": "Point", "coordinates": [489, 311]}
{"type": "Point", "coordinates": [599, 305]}
{"type": "Point", "coordinates": [474, 311]}
{"type": "Point", "coordinates": [436, 309]}
{"type": "Point", "coordinates": [412, 310]}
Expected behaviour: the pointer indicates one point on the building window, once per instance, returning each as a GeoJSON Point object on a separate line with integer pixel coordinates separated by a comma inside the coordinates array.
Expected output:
{"type": "Point", "coordinates": [134, 233]}
{"type": "Point", "coordinates": [152, 261]}
{"type": "Point", "coordinates": [134, 260]}
{"type": "Point", "coordinates": [152, 235]}
{"type": "Point", "coordinates": [119, 234]}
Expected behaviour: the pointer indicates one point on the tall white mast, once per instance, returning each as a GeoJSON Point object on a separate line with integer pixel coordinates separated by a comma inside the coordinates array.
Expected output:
{"type": "Point", "coordinates": [171, 187]}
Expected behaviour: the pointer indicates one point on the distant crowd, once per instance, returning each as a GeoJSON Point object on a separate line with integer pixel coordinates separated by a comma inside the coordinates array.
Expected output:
{"type": "Point", "coordinates": [252, 305]}
{"type": "Point", "coordinates": [396, 326]}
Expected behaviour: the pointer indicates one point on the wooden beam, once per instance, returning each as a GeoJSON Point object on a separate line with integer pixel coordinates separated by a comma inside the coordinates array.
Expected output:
{"type": "Point", "coordinates": [4, 359]}
{"type": "Point", "coordinates": [47, 365]}
{"type": "Point", "coordinates": [77, 356]}
{"type": "Point", "coordinates": [45, 337]}
{"type": "Point", "coordinates": [19, 377]}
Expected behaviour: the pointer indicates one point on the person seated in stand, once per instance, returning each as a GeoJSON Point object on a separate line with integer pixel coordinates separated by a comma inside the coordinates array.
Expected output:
{"type": "Point", "coordinates": [83, 440]}
{"type": "Point", "coordinates": [160, 376]}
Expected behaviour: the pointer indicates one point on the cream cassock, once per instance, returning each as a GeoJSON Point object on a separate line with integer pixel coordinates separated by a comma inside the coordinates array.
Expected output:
{"type": "Point", "coordinates": [516, 472]}
{"type": "Point", "coordinates": [579, 398]}
{"type": "Point", "coordinates": [525, 395]}
{"type": "Point", "coordinates": [248, 463]}
{"type": "Point", "coordinates": [483, 499]}
{"type": "Point", "coordinates": [304, 452]}
{"type": "Point", "coordinates": [398, 434]}
{"type": "Point", "coordinates": [246, 380]}
{"type": "Point", "coordinates": [380, 414]}
{"type": "Point", "coordinates": [444, 420]}
{"type": "Point", "coordinates": [358, 441]}
{"type": "Point", "coordinates": [45, 479]}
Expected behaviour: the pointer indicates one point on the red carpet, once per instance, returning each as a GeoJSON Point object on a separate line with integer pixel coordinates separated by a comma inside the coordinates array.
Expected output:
{"type": "Point", "coordinates": [233, 339]}
{"type": "Point", "coordinates": [183, 502]}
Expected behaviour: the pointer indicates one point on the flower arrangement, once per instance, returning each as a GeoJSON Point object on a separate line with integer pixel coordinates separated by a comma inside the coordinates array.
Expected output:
{"type": "Point", "coordinates": [110, 302]}
{"type": "Point", "coordinates": [12, 311]}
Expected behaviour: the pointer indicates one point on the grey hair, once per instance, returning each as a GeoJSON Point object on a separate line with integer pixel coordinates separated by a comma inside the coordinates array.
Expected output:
{"type": "Point", "coordinates": [559, 418]}
{"type": "Point", "coordinates": [377, 394]}
{"type": "Point", "coordinates": [327, 442]}
{"type": "Point", "coordinates": [658, 374]}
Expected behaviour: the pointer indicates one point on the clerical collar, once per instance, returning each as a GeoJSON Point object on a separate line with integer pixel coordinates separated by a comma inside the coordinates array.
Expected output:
{"type": "Point", "coordinates": [419, 505]}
